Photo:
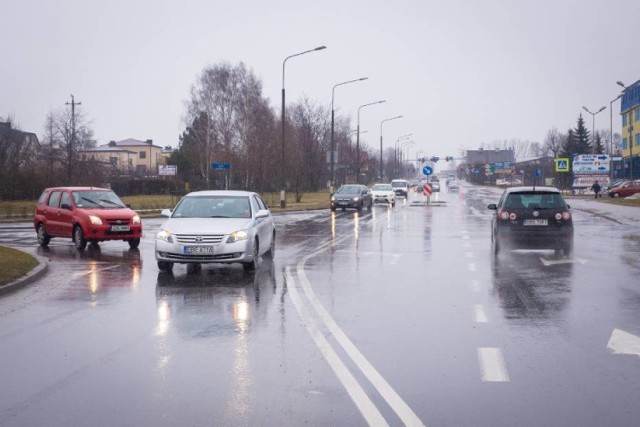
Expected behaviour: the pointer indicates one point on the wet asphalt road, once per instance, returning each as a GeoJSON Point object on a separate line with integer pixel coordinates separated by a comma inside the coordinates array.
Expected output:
{"type": "Point", "coordinates": [397, 316]}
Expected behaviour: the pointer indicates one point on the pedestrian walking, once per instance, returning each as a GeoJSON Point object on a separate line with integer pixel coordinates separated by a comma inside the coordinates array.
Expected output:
{"type": "Point", "coordinates": [596, 188]}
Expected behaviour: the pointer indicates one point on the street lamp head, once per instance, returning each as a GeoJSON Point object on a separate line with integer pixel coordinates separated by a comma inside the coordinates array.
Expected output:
{"type": "Point", "coordinates": [619, 83]}
{"type": "Point", "coordinates": [320, 48]}
{"type": "Point", "coordinates": [586, 109]}
{"type": "Point", "coordinates": [363, 78]}
{"type": "Point", "coordinates": [601, 108]}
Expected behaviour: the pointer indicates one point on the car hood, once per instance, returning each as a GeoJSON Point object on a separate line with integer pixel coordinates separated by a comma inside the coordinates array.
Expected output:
{"type": "Point", "coordinates": [117, 213]}
{"type": "Point", "coordinates": [345, 196]}
{"type": "Point", "coordinates": [205, 225]}
{"type": "Point", "coordinates": [383, 192]}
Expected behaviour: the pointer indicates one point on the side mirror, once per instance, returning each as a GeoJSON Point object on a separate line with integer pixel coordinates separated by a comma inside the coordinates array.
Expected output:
{"type": "Point", "coordinates": [568, 207]}
{"type": "Point", "coordinates": [262, 213]}
{"type": "Point", "coordinates": [493, 207]}
{"type": "Point", "coordinates": [165, 212]}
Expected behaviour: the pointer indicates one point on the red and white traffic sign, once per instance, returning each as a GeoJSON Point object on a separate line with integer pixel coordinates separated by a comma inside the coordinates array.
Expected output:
{"type": "Point", "coordinates": [426, 190]}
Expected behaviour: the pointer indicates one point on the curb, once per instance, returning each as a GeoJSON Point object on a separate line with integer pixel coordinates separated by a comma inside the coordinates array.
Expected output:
{"type": "Point", "coordinates": [33, 275]}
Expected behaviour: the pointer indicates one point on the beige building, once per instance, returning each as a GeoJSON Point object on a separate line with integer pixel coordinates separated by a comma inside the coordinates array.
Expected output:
{"type": "Point", "coordinates": [129, 156]}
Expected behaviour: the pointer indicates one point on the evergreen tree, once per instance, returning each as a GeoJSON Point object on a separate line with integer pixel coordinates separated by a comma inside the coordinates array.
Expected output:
{"type": "Point", "coordinates": [569, 145]}
{"type": "Point", "coordinates": [581, 137]}
{"type": "Point", "coordinates": [599, 148]}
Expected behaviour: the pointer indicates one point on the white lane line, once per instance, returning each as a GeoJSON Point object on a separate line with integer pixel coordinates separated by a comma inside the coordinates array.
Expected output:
{"type": "Point", "coordinates": [468, 254]}
{"type": "Point", "coordinates": [480, 314]}
{"type": "Point", "coordinates": [622, 342]}
{"type": "Point", "coordinates": [369, 411]}
{"type": "Point", "coordinates": [475, 285]}
{"type": "Point", "coordinates": [472, 267]}
{"type": "Point", "coordinates": [400, 407]}
{"type": "Point", "coordinates": [492, 365]}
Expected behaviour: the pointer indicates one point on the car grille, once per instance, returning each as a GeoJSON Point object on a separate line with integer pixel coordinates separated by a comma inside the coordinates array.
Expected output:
{"type": "Point", "coordinates": [199, 238]}
{"type": "Point", "coordinates": [201, 258]}
{"type": "Point", "coordinates": [118, 221]}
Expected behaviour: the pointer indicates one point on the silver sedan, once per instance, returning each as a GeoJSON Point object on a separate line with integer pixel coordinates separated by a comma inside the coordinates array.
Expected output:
{"type": "Point", "coordinates": [216, 227]}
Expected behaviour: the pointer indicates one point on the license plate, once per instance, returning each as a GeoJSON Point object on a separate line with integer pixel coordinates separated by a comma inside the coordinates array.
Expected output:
{"type": "Point", "coordinates": [198, 250]}
{"type": "Point", "coordinates": [535, 222]}
{"type": "Point", "coordinates": [119, 228]}
{"type": "Point", "coordinates": [342, 203]}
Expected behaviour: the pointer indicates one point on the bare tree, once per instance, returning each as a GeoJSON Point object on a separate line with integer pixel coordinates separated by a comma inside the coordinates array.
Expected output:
{"type": "Point", "coordinates": [553, 142]}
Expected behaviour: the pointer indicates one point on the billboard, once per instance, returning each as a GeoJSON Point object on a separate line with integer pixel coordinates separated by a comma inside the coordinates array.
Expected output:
{"type": "Point", "coordinates": [167, 169]}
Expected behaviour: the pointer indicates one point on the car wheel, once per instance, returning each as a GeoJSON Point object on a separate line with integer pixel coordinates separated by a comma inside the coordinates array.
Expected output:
{"type": "Point", "coordinates": [251, 266]}
{"type": "Point", "coordinates": [165, 267]}
{"type": "Point", "coordinates": [43, 237]}
{"type": "Point", "coordinates": [393, 204]}
{"type": "Point", "coordinates": [78, 238]}
{"type": "Point", "coordinates": [495, 245]}
{"type": "Point", "coordinates": [134, 243]}
{"type": "Point", "coordinates": [568, 250]}
{"type": "Point", "coordinates": [271, 253]}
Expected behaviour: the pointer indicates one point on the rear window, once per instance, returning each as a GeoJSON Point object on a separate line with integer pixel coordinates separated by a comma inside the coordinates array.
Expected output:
{"type": "Point", "coordinates": [534, 200]}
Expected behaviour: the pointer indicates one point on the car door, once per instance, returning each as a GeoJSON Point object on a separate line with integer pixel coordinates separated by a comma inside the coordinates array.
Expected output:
{"type": "Point", "coordinates": [65, 215]}
{"type": "Point", "coordinates": [263, 225]}
{"type": "Point", "coordinates": [51, 213]}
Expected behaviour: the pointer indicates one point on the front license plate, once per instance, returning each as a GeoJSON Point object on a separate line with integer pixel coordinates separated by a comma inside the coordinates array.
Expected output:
{"type": "Point", "coordinates": [342, 203]}
{"type": "Point", "coordinates": [191, 250]}
{"type": "Point", "coordinates": [535, 222]}
{"type": "Point", "coordinates": [119, 228]}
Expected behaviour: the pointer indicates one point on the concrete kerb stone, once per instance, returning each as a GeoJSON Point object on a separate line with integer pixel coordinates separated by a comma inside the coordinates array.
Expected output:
{"type": "Point", "coordinates": [33, 275]}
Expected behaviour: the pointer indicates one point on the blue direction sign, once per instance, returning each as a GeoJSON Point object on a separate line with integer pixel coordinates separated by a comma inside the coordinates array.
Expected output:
{"type": "Point", "coordinates": [427, 170]}
{"type": "Point", "coordinates": [220, 166]}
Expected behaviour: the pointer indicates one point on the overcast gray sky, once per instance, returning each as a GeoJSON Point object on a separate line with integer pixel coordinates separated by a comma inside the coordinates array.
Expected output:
{"type": "Point", "coordinates": [461, 72]}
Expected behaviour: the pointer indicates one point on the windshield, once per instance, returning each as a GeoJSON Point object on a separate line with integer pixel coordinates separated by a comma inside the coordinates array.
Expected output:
{"type": "Point", "coordinates": [399, 184]}
{"type": "Point", "coordinates": [349, 189]}
{"type": "Point", "coordinates": [91, 199]}
{"type": "Point", "coordinates": [213, 207]}
{"type": "Point", "coordinates": [381, 187]}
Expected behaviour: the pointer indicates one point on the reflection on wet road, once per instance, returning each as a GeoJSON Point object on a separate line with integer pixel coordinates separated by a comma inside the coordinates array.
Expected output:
{"type": "Point", "coordinates": [394, 316]}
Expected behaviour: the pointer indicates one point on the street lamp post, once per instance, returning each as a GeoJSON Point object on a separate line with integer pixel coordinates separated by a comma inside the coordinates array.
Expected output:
{"type": "Point", "coordinates": [611, 123]}
{"type": "Point", "coordinates": [358, 139]}
{"type": "Point", "coordinates": [403, 158]}
{"type": "Point", "coordinates": [283, 202]}
{"type": "Point", "coordinates": [385, 120]}
{"type": "Point", "coordinates": [333, 178]}
{"type": "Point", "coordinates": [395, 151]}
{"type": "Point", "coordinates": [593, 127]}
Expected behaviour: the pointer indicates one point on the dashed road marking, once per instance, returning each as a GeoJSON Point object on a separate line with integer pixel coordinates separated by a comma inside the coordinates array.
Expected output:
{"type": "Point", "coordinates": [480, 314]}
{"type": "Point", "coordinates": [492, 366]}
{"type": "Point", "coordinates": [622, 342]}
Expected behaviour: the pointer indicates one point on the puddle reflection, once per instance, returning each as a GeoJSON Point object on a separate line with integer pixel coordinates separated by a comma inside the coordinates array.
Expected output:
{"type": "Point", "coordinates": [532, 284]}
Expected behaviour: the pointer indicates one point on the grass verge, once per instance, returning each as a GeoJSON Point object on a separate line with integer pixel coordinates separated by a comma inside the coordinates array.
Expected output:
{"type": "Point", "coordinates": [14, 264]}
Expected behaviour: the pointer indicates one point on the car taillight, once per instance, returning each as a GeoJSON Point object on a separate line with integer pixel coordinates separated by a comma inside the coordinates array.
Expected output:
{"type": "Point", "coordinates": [504, 215]}
{"type": "Point", "coordinates": [563, 215]}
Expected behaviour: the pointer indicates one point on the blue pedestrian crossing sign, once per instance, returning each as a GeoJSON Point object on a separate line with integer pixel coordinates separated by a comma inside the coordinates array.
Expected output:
{"type": "Point", "coordinates": [427, 170]}
{"type": "Point", "coordinates": [562, 164]}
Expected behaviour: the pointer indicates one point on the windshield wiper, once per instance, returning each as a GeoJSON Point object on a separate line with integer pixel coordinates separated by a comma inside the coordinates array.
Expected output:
{"type": "Point", "coordinates": [113, 203]}
{"type": "Point", "coordinates": [90, 201]}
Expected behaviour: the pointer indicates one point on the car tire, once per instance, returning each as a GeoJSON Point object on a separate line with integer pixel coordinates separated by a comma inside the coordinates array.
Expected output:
{"type": "Point", "coordinates": [333, 209]}
{"type": "Point", "coordinates": [165, 267]}
{"type": "Point", "coordinates": [393, 204]}
{"type": "Point", "coordinates": [271, 253]}
{"type": "Point", "coordinates": [78, 238]}
{"type": "Point", "coordinates": [134, 243]}
{"type": "Point", "coordinates": [43, 237]}
{"type": "Point", "coordinates": [567, 250]}
{"type": "Point", "coordinates": [252, 265]}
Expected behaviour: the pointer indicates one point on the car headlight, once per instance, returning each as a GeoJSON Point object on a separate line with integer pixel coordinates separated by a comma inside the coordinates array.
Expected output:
{"type": "Point", "coordinates": [355, 199]}
{"type": "Point", "coordinates": [165, 235]}
{"type": "Point", "coordinates": [237, 236]}
{"type": "Point", "coordinates": [95, 220]}
{"type": "Point", "coordinates": [136, 219]}
{"type": "Point", "coordinates": [333, 198]}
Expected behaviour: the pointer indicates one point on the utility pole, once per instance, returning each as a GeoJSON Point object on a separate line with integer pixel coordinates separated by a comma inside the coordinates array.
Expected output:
{"type": "Point", "coordinates": [72, 144]}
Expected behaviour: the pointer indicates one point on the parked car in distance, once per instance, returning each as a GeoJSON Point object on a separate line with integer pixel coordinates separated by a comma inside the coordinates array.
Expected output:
{"type": "Point", "coordinates": [532, 218]}
{"type": "Point", "coordinates": [353, 196]}
{"type": "Point", "coordinates": [435, 186]}
{"type": "Point", "coordinates": [400, 186]}
{"type": "Point", "coordinates": [383, 193]}
{"type": "Point", "coordinates": [625, 189]}
{"type": "Point", "coordinates": [453, 185]}
{"type": "Point", "coordinates": [612, 184]}
{"type": "Point", "coordinates": [85, 215]}
{"type": "Point", "coordinates": [216, 227]}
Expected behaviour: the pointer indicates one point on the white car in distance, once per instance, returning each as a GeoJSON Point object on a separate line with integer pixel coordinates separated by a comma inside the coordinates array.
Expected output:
{"type": "Point", "coordinates": [383, 193]}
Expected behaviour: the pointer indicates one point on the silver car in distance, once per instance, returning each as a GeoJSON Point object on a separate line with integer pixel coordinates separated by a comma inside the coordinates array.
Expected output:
{"type": "Point", "coordinates": [216, 227]}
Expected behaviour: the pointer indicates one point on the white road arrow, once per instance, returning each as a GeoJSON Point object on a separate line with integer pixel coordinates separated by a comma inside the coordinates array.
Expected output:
{"type": "Point", "coordinates": [622, 342]}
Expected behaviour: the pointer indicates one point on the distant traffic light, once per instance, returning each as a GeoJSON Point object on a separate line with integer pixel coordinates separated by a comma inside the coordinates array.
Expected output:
{"type": "Point", "coordinates": [435, 159]}
{"type": "Point", "coordinates": [448, 158]}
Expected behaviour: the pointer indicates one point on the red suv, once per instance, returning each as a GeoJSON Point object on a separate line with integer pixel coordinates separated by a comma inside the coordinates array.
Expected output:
{"type": "Point", "coordinates": [85, 214]}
